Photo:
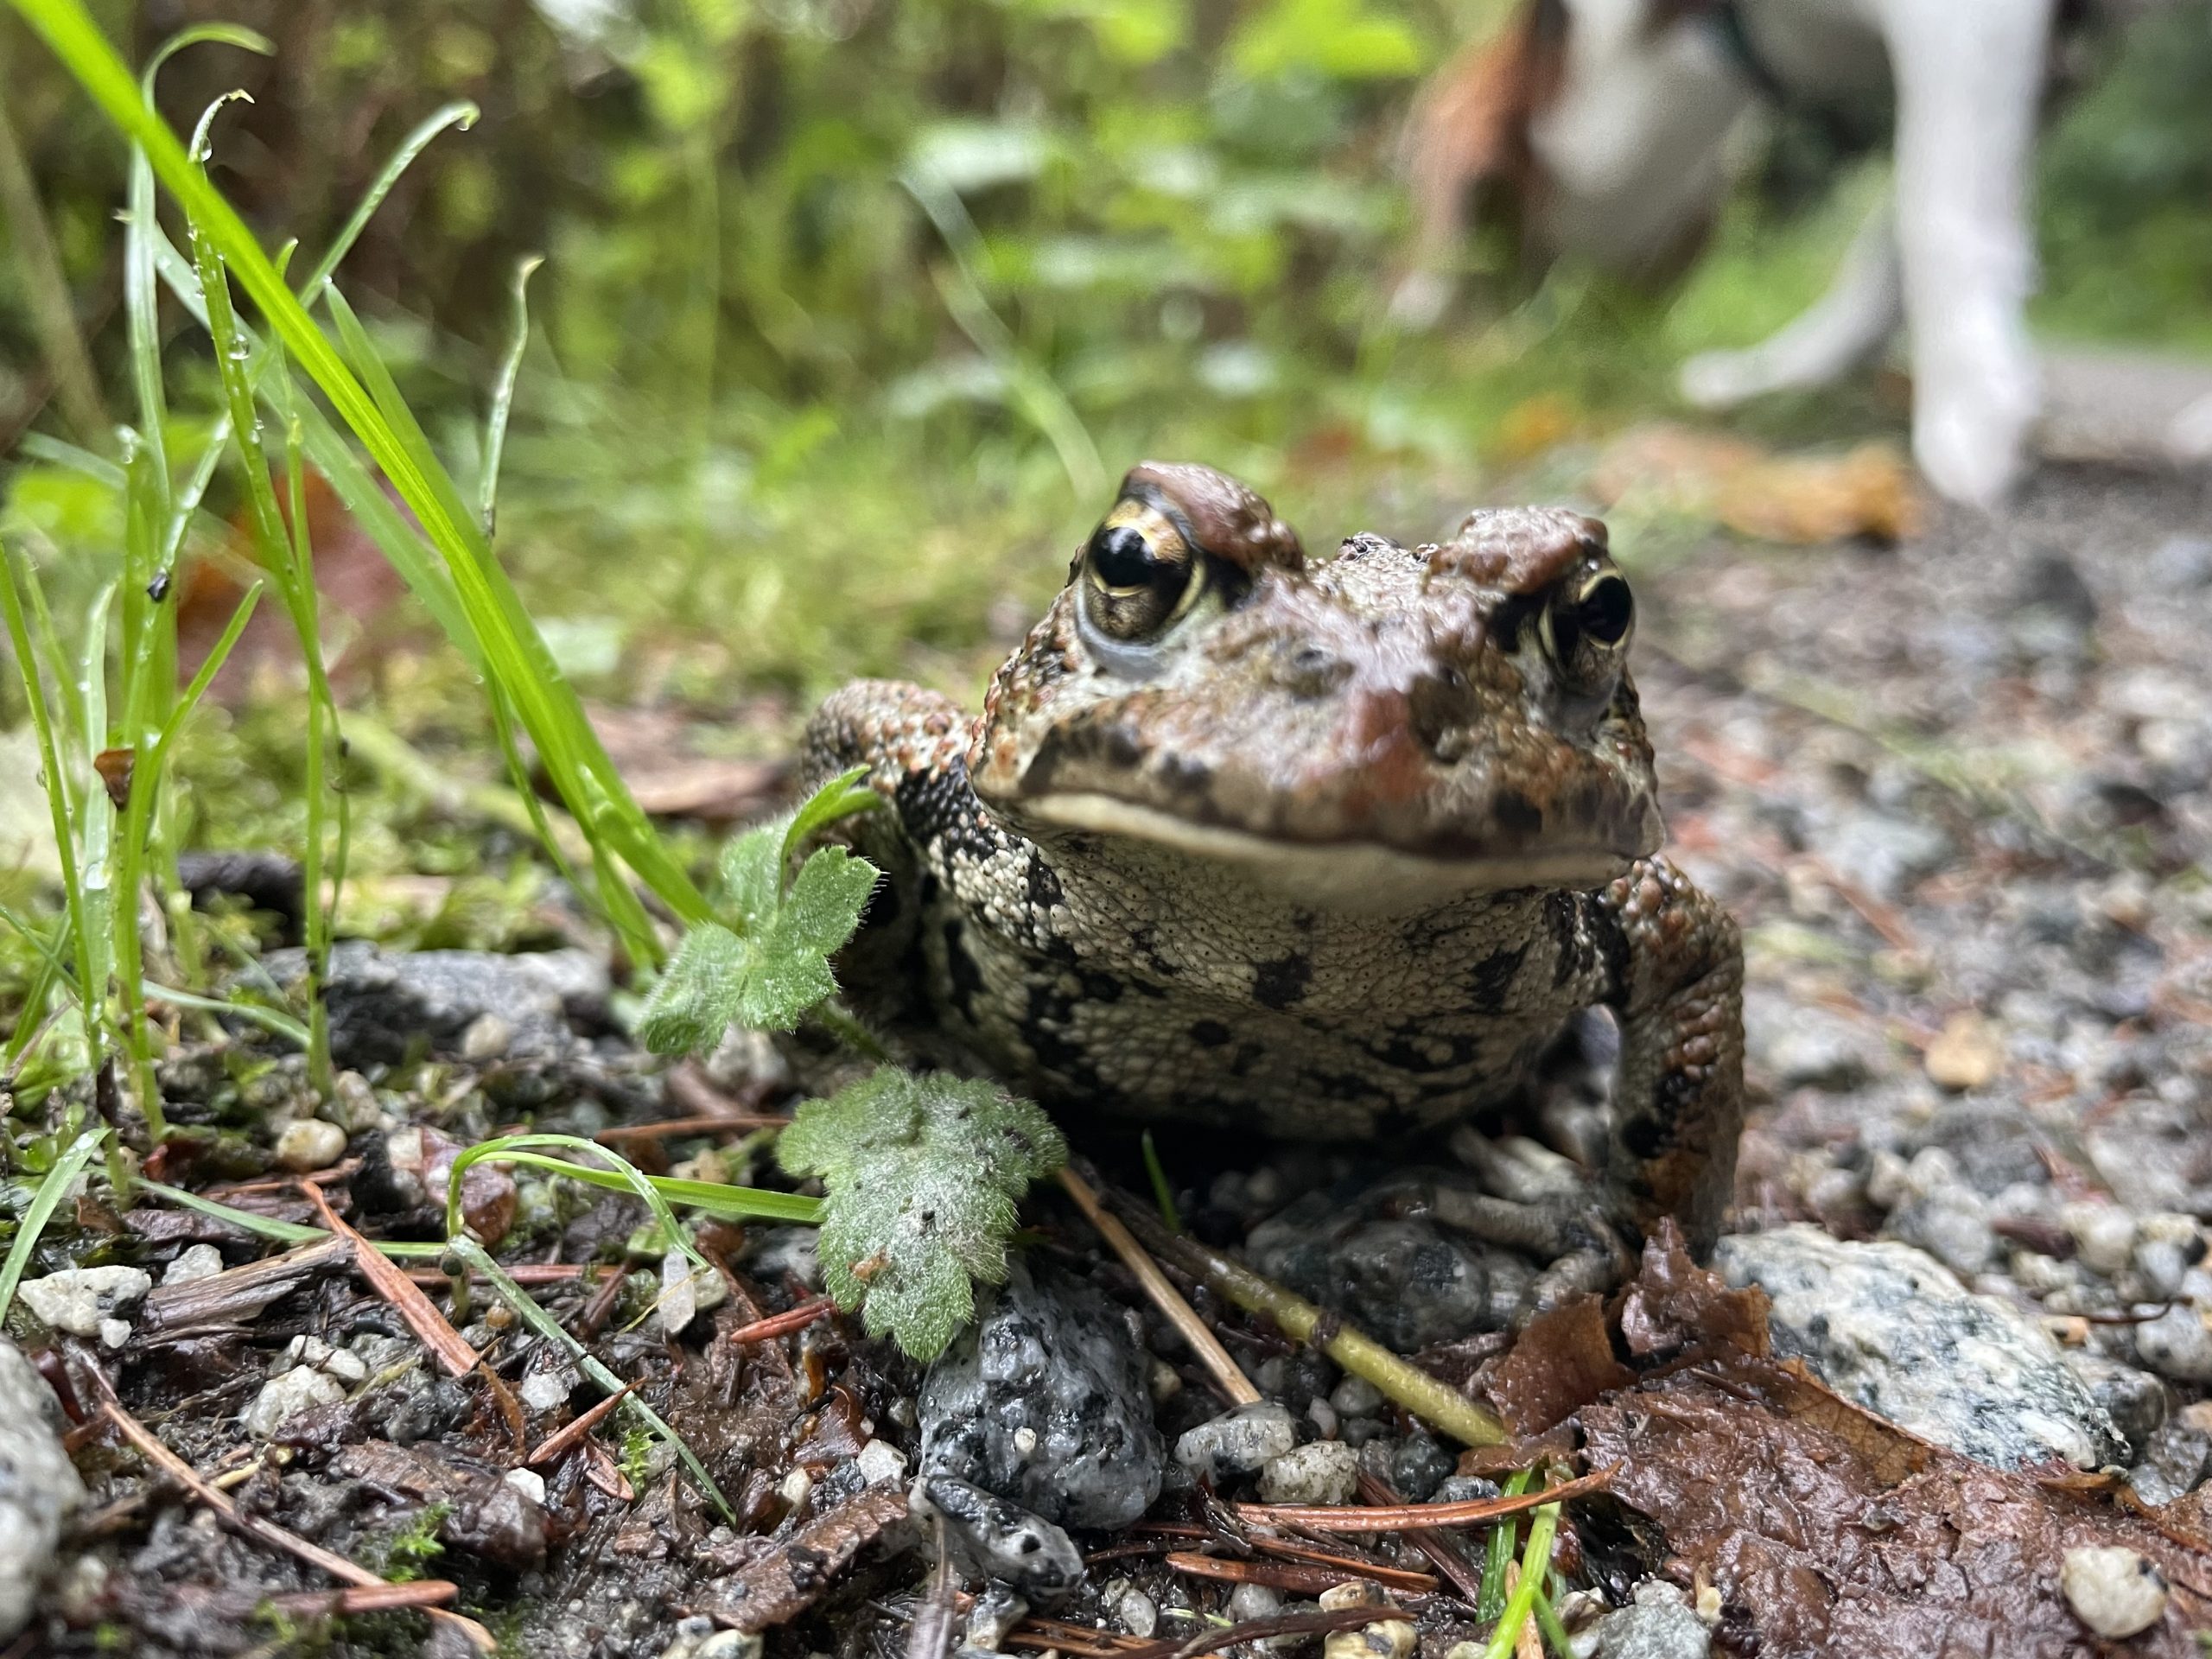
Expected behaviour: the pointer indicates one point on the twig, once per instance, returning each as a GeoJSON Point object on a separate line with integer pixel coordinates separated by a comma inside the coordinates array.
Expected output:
{"type": "Point", "coordinates": [1321, 1517]}
{"type": "Point", "coordinates": [1441, 1551]}
{"type": "Point", "coordinates": [1291, 1549]}
{"type": "Point", "coordinates": [556, 1444]}
{"type": "Point", "coordinates": [256, 1527]}
{"type": "Point", "coordinates": [1228, 1376]}
{"type": "Point", "coordinates": [1400, 1380]}
{"type": "Point", "coordinates": [406, 1297]}
{"type": "Point", "coordinates": [783, 1323]}
{"type": "Point", "coordinates": [1300, 1577]}
{"type": "Point", "coordinates": [1258, 1630]}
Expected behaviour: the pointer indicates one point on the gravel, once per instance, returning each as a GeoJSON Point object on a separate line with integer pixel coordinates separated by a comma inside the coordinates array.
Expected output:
{"type": "Point", "coordinates": [1886, 1326]}
{"type": "Point", "coordinates": [39, 1487]}
{"type": "Point", "coordinates": [1325, 1472]}
{"type": "Point", "coordinates": [1658, 1625]}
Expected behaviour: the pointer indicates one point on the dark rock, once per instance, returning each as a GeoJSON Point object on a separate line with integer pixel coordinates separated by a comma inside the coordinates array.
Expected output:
{"type": "Point", "coordinates": [383, 1006]}
{"type": "Point", "coordinates": [1002, 1541]}
{"type": "Point", "coordinates": [1418, 1466]}
{"type": "Point", "coordinates": [2136, 1402]}
{"type": "Point", "coordinates": [1887, 1327]}
{"type": "Point", "coordinates": [1042, 1401]}
{"type": "Point", "coordinates": [1407, 1281]}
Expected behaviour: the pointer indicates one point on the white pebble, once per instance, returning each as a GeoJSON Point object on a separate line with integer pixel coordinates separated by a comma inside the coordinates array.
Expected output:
{"type": "Point", "coordinates": [488, 1037]}
{"type": "Point", "coordinates": [2103, 1234]}
{"type": "Point", "coordinates": [193, 1263]}
{"type": "Point", "coordinates": [1251, 1601]}
{"type": "Point", "coordinates": [882, 1463]}
{"type": "Point", "coordinates": [2114, 1591]}
{"type": "Point", "coordinates": [528, 1482]}
{"type": "Point", "coordinates": [1326, 1472]}
{"type": "Point", "coordinates": [79, 1300]}
{"type": "Point", "coordinates": [286, 1396]}
{"type": "Point", "coordinates": [1356, 1397]}
{"type": "Point", "coordinates": [310, 1143]}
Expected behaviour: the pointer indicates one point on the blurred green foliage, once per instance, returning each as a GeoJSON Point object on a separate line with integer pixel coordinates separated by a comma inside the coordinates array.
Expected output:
{"type": "Point", "coordinates": [843, 297]}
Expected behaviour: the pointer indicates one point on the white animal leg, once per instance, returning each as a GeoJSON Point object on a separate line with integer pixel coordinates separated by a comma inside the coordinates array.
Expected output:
{"type": "Point", "coordinates": [1847, 325]}
{"type": "Point", "coordinates": [1969, 75]}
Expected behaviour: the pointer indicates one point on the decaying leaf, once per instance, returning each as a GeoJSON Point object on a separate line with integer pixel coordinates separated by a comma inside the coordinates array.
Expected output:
{"type": "Point", "coordinates": [1866, 491]}
{"type": "Point", "coordinates": [782, 1585]}
{"type": "Point", "coordinates": [1825, 1528]}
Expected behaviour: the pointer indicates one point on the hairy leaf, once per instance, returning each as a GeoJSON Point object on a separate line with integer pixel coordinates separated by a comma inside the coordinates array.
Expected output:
{"type": "Point", "coordinates": [768, 963]}
{"type": "Point", "coordinates": [923, 1174]}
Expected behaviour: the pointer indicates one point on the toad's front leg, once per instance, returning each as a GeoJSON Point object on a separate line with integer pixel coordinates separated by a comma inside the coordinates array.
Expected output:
{"type": "Point", "coordinates": [1671, 967]}
{"type": "Point", "coordinates": [1678, 1099]}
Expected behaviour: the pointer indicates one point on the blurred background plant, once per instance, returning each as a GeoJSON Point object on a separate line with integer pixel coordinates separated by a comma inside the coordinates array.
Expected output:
{"type": "Point", "coordinates": [849, 312]}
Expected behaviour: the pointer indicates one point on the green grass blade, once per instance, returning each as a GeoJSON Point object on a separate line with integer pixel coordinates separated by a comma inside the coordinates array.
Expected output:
{"type": "Point", "coordinates": [460, 114]}
{"type": "Point", "coordinates": [267, 1019]}
{"type": "Point", "coordinates": [51, 1191]}
{"type": "Point", "coordinates": [283, 1232]}
{"type": "Point", "coordinates": [90, 994]}
{"type": "Point", "coordinates": [503, 398]}
{"type": "Point", "coordinates": [1535, 1562]}
{"type": "Point", "coordinates": [550, 709]}
{"type": "Point", "coordinates": [477, 1259]}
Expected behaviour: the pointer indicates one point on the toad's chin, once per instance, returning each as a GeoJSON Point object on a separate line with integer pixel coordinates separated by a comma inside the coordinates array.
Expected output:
{"type": "Point", "coordinates": [1354, 875]}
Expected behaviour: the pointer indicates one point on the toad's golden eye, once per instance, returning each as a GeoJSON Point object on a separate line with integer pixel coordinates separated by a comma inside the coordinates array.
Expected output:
{"type": "Point", "coordinates": [1140, 572]}
{"type": "Point", "coordinates": [1586, 626]}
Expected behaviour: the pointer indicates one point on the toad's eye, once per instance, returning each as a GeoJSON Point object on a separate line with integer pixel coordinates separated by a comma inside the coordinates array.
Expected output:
{"type": "Point", "coordinates": [1140, 572]}
{"type": "Point", "coordinates": [1586, 626]}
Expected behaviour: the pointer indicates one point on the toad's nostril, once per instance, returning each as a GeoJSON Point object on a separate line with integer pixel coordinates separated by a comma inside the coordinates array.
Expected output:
{"type": "Point", "coordinates": [1440, 707]}
{"type": "Point", "coordinates": [1311, 672]}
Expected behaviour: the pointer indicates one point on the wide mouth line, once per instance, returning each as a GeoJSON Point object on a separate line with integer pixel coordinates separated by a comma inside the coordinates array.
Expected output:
{"type": "Point", "coordinates": [1097, 812]}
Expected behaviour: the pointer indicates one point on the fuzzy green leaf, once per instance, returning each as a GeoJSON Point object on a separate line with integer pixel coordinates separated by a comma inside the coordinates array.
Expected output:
{"type": "Point", "coordinates": [771, 965]}
{"type": "Point", "coordinates": [923, 1175]}
{"type": "Point", "coordinates": [691, 1005]}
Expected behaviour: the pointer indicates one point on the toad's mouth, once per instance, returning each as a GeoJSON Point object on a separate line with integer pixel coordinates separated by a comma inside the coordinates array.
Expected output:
{"type": "Point", "coordinates": [1344, 874]}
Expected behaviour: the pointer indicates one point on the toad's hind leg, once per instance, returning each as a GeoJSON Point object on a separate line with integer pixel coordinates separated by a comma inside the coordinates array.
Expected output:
{"type": "Point", "coordinates": [1678, 1099]}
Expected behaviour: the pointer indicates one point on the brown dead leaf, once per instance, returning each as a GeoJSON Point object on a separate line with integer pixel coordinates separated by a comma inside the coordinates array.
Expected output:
{"type": "Point", "coordinates": [1827, 1531]}
{"type": "Point", "coordinates": [1674, 1309]}
{"type": "Point", "coordinates": [1563, 1361]}
{"type": "Point", "coordinates": [1801, 500]}
{"type": "Point", "coordinates": [778, 1587]}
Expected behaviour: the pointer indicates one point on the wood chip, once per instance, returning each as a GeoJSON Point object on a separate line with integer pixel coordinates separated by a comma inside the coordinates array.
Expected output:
{"type": "Point", "coordinates": [777, 1588]}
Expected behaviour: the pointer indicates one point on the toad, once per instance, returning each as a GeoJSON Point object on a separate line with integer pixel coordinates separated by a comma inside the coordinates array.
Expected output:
{"type": "Point", "coordinates": [1331, 850]}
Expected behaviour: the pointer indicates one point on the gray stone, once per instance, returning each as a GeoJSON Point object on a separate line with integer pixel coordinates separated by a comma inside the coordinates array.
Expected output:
{"type": "Point", "coordinates": [1882, 854]}
{"type": "Point", "coordinates": [39, 1487]}
{"type": "Point", "coordinates": [1886, 1326]}
{"type": "Point", "coordinates": [1238, 1440]}
{"type": "Point", "coordinates": [1658, 1625]}
{"type": "Point", "coordinates": [77, 1300]}
{"type": "Point", "coordinates": [2173, 1462]}
{"type": "Point", "coordinates": [1405, 1281]}
{"type": "Point", "coordinates": [284, 1396]}
{"type": "Point", "coordinates": [1797, 1046]}
{"type": "Point", "coordinates": [1043, 1402]}
{"type": "Point", "coordinates": [382, 1004]}
{"type": "Point", "coordinates": [1002, 1541]}
{"type": "Point", "coordinates": [2135, 1400]}
{"type": "Point", "coordinates": [1324, 1472]}
{"type": "Point", "coordinates": [2177, 1344]}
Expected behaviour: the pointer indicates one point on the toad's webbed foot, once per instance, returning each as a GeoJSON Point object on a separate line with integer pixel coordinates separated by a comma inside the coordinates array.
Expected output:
{"type": "Point", "coordinates": [1583, 1245]}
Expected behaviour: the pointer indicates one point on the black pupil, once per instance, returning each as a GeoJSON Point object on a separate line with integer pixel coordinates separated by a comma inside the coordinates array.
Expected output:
{"type": "Point", "coordinates": [1123, 558]}
{"type": "Point", "coordinates": [1607, 610]}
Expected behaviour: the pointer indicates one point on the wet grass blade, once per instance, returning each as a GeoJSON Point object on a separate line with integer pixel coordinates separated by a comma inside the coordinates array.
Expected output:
{"type": "Point", "coordinates": [51, 1191]}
